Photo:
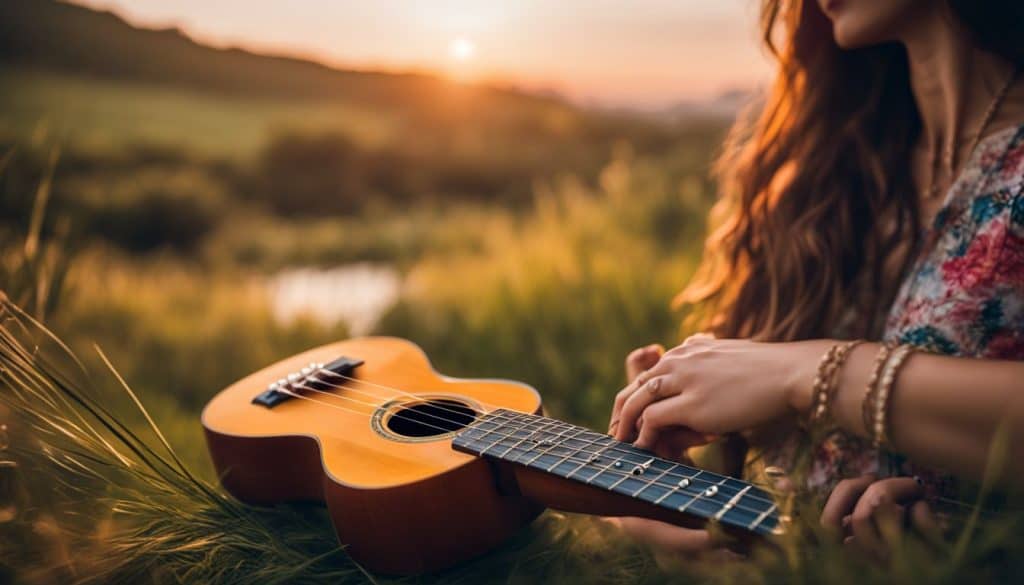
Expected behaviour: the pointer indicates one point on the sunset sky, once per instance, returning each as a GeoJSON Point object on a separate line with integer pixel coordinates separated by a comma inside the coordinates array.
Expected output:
{"type": "Point", "coordinates": [640, 53]}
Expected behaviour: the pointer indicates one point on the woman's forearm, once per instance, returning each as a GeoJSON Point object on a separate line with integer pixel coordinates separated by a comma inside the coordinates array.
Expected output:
{"type": "Point", "coordinates": [944, 411]}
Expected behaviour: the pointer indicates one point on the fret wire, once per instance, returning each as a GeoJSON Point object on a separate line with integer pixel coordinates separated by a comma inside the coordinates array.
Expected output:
{"type": "Point", "coordinates": [580, 450]}
{"type": "Point", "coordinates": [569, 455]}
{"type": "Point", "coordinates": [690, 501]}
{"type": "Point", "coordinates": [530, 434]}
{"type": "Point", "coordinates": [700, 492]}
{"type": "Point", "coordinates": [492, 417]}
{"type": "Point", "coordinates": [533, 419]}
{"type": "Point", "coordinates": [605, 468]}
{"type": "Point", "coordinates": [675, 488]}
{"type": "Point", "coordinates": [482, 436]}
{"type": "Point", "coordinates": [620, 480]}
{"type": "Point", "coordinates": [697, 494]}
{"type": "Point", "coordinates": [667, 473]}
{"type": "Point", "coordinates": [757, 521]}
{"type": "Point", "coordinates": [650, 482]}
{"type": "Point", "coordinates": [586, 462]}
{"type": "Point", "coordinates": [552, 446]}
{"type": "Point", "coordinates": [732, 502]}
{"type": "Point", "coordinates": [511, 433]}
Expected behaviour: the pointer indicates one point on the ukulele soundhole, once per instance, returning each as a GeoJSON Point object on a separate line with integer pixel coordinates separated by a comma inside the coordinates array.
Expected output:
{"type": "Point", "coordinates": [426, 419]}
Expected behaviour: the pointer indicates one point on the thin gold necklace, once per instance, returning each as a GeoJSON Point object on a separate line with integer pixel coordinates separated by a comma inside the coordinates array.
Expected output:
{"type": "Point", "coordinates": [933, 188]}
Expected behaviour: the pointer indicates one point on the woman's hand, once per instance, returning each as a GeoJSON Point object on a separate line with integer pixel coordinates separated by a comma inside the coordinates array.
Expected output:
{"type": "Point", "coordinates": [872, 514]}
{"type": "Point", "coordinates": [668, 542]}
{"type": "Point", "coordinates": [709, 386]}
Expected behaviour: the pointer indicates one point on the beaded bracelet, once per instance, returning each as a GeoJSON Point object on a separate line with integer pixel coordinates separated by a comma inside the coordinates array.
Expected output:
{"type": "Point", "coordinates": [881, 402]}
{"type": "Point", "coordinates": [819, 389]}
{"type": "Point", "coordinates": [826, 382]}
{"type": "Point", "coordinates": [867, 410]}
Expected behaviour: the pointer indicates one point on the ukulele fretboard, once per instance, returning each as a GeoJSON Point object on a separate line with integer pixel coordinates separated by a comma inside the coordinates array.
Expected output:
{"type": "Point", "coordinates": [583, 455]}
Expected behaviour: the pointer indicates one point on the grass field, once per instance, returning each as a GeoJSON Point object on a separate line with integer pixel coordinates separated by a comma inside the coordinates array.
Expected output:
{"type": "Point", "coordinates": [109, 115]}
{"type": "Point", "coordinates": [553, 291]}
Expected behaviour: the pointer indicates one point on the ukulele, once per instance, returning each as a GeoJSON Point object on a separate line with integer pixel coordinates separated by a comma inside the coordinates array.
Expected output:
{"type": "Point", "coordinates": [420, 472]}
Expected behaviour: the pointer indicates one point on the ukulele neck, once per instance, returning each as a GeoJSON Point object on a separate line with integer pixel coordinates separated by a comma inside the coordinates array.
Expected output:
{"type": "Point", "coordinates": [651, 484]}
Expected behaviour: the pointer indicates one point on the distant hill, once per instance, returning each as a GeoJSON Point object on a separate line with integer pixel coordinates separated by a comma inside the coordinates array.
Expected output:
{"type": "Point", "coordinates": [67, 38]}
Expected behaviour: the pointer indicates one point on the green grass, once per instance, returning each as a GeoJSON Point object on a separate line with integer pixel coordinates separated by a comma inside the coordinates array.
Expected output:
{"type": "Point", "coordinates": [119, 504]}
{"type": "Point", "coordinates": [108, 116]}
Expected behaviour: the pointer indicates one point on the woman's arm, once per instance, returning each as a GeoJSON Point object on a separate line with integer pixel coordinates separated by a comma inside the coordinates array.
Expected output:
{"type": "Point", "coordinates": [944, 411]}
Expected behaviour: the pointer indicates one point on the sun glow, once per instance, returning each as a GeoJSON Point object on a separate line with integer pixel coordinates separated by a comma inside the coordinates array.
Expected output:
{"type": "Point", "coordinates": [462, 49]}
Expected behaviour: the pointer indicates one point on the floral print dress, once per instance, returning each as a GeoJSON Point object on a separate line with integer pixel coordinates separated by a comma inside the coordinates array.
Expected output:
{"type": "Point", "coordinates": [963, 296]}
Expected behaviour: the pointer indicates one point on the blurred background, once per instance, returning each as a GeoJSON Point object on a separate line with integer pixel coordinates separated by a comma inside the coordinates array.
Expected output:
{"type": "Point", "coordinates": [202, 188]}
{"type": "Point", "coordinates": [519, 187]}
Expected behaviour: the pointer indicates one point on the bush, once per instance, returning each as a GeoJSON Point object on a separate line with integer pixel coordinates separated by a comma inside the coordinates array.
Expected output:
{"type": "Point", "coordinates": [149, 209]}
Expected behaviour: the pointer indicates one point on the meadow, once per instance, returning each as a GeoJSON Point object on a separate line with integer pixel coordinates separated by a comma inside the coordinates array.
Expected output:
{"type": "Point", "coordinates": [540, 243]}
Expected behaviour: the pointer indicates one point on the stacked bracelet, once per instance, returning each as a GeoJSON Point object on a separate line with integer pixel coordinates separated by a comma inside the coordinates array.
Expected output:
{"type": "Point", "coordinates": [877, 394]}
{"type": "Point", "coordinates": [870, 390]}
{"type": "Point", "coordinates": [826, 380]}
{"type": "Point", "coordinates": [878, 430]}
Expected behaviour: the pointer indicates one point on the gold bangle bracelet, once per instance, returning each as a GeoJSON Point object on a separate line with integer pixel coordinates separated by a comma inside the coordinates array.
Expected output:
{"type": "Point", "coordinates": [819, 389]}
{"type": "Point", "coordinates": [870, 389]}
{"type": "Point", "coordinates": [836, 369]}
{"type": "Point", "coordinates": [827, 380]}
{"type": "Point", "coordinates": [879, 435]}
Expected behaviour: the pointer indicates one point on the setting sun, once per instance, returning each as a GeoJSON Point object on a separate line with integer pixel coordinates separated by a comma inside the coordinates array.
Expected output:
{"type": "Point", "coordinates": [461, 49]}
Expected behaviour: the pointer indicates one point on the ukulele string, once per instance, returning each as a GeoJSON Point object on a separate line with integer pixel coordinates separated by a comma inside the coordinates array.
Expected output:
{"type": "Point", "coordinates": [443, 419]}
{"type": "Point", "coordinates": [446, 420]}
{"type": "Point", "coordinates": [607, 469]}
{"type": "Point", "coordinates": [946, 501]}
{"type": "Point", "coordinates": [943, 500]}
{"type": "Point", "coordinates": [398, 390]}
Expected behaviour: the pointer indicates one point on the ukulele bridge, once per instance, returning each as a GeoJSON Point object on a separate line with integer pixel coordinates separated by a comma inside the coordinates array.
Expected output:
{"type": "Point", "coordinates": [316, 376]}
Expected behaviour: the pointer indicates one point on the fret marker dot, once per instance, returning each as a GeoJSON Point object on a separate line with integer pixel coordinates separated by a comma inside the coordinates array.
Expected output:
{"type": "Point", "coordinates": [685, 482]}
{"type": "Point", "coordinates": [638, 470]}
{"type": "Point", "coordinates": [711, 491]}
{"type": "Point", "coordinates": [618, 464]}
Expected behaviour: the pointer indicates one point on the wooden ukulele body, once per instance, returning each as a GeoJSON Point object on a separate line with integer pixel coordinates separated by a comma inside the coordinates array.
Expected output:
{"type": "Point", "coordinates": [400, 507]}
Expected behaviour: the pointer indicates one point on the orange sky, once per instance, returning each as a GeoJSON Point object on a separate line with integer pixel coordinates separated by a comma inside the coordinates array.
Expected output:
{"type": "Point", "coordinates": [640, 53]}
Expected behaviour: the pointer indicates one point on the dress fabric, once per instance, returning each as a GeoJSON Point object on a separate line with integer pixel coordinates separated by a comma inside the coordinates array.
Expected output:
{"type": "Point", "coordinates": [963, 296]}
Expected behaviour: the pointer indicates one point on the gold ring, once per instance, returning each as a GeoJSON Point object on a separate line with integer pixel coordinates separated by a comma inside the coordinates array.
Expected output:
{"type": "Point", "coordinates": [653, 386]}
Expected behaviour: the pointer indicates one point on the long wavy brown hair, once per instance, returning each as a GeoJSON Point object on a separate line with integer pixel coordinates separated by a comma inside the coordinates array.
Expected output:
{"type": "Point", "coordinates": [816, 191]}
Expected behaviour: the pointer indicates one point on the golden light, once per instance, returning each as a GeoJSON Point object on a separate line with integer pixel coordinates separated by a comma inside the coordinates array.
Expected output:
{"type": "Point", "coordinates": [462, 49]}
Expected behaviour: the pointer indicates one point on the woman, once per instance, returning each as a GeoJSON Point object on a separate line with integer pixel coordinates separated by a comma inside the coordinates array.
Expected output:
{"type": "Point", "coordinates": [877, 197]}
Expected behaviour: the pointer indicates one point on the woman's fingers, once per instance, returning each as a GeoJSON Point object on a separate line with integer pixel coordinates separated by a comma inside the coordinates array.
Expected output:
{"type": "Point", "coordinates": [642, 365]}
{"type": "Point", "coordinates": [637, 363]}
{"type": "Point", "coordinates": [642, 359]}
{"type": "Point", "coordinates": [926, 524]}
{"type": "Point", "coordinates": [652, 390]}
{"type": "Point", "coordinates": [889, 520]}
{"type": "Point", "coordinates": [842, 501]}
{"type": "Point", "coordinates": [620, 399]}
{"type": "Point", "coordinates": [877, 519]}
{"type": "Point", "coordinates": [667, 416]}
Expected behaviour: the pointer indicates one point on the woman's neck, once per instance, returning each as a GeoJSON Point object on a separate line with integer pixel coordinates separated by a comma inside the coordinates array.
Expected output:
{"type": "Point", "coordinates": [953, 81]}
